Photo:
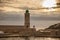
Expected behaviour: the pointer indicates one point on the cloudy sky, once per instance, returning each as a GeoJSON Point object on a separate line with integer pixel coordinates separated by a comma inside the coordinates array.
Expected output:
{"type": "Point", "coordinates": [43, 12]}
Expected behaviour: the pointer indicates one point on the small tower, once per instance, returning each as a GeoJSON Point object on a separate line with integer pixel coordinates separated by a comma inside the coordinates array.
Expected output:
{"type": "Point", "coordinates": [27, 19]}
{"type": "Point", "coordinates": [34, 27]}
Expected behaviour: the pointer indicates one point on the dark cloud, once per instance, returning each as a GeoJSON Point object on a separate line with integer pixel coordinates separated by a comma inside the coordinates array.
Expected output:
{"type": "Point", "coordinates": [11, 16]}
{"type": "Point", "coordinates": [16, 16]}
{"type": "Point", "coordinates": [45, 16]}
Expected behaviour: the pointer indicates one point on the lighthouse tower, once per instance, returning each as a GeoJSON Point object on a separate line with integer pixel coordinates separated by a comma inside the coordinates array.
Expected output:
{"type": "Point", "coordinates": [27, 19]}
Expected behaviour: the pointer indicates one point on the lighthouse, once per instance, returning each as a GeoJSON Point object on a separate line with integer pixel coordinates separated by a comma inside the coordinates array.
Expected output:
{"type": "Point", "coordinates": [27, 19]}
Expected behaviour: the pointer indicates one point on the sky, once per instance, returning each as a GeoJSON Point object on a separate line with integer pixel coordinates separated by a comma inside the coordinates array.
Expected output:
{"type": "Point", "coordinates": [43, 13]}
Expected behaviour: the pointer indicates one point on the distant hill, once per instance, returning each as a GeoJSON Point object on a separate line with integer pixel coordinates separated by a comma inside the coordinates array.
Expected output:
{"type": "Point", "coordinates": [55, 26]}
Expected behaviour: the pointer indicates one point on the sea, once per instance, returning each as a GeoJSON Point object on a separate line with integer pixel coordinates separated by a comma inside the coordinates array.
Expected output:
{"type": "Point", "coordinates": [38, 24]}
{"type": "Point", "coordinates": [29, 38]}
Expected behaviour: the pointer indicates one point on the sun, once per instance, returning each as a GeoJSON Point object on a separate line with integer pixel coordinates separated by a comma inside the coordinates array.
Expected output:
{"type": "Point", "coordinates": [49, 3]}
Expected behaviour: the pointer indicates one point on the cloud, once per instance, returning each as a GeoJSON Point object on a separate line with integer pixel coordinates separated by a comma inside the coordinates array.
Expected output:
{"type": "Point", "coordinates": [9, 5]}
{"type": "Point", "coordinates": [46, 18]}
{"type": "Point", "coordinates": [11, 16]}
{"type": "Point", "coordinates": [21, 4]}
{"type": "Point", "coordinates": [12, 5]}
{"type": "Point", "coordinates": [19, 16]}
{"type": "Point", "coordinates": [52, 16]}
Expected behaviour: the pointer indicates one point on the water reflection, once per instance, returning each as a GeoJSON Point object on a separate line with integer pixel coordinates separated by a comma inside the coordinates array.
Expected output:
{"type": "Point", "coordinates": [29, 38]}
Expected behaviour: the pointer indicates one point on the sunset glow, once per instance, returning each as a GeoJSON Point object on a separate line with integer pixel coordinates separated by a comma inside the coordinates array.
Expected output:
{"type": "Point", "coordinates": [37, 6]}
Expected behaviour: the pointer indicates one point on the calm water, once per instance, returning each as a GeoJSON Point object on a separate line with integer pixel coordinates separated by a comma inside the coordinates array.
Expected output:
{"type": "Point", "coordinates": [30, 38]}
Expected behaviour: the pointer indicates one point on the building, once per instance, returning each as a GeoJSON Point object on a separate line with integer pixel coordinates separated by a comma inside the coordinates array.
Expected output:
{"type": "Point", "coordinates": [27, 19]}
{"type": "Point", "coordinates": [18, 28]}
